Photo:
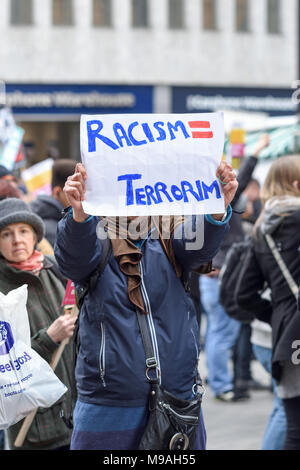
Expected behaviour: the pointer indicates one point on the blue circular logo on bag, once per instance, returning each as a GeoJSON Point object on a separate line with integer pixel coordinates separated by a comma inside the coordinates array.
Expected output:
{"type": "Point", "coordinates": [6, 338]}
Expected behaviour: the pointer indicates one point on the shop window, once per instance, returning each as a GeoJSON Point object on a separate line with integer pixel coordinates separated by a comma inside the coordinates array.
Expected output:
{"type": "Point", "coordinates": [102, 13]}
{"type": "Point", "coordinates": [139, 13]}
{"type": "Point", "coordinates": [242, 15]}
{"type": "Point", "coordinates": [62, 12]}
{"type": "Point", "coordinates": [209, 14]}
{"type": "Point", "coordinates": [176, 14]}
{"type": "Point", "coordinates": [21, 12]}
{"type": "Point", "coordinates": [273, 15]}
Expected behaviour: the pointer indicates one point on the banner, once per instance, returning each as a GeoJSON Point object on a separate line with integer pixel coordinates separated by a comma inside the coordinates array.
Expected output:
{"type": "Point", "coordinates": [11, 150]}
{"type": "Point", "coordinates": [37, 178]}
{"type": "Point", "coordinates": [69, 297]}
{"type": "Point", "coordinates": [11, 137]}
{"type": "Point", "coordinates": [152, 164]}
{"type": "Point", "coordinates": [237, 146]}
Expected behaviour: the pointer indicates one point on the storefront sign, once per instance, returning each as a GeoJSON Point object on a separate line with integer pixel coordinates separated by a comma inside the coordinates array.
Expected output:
{"type": "Point", "coordinates": [273, 101]}
{"type": "Point", "coordinates": [78, 99]}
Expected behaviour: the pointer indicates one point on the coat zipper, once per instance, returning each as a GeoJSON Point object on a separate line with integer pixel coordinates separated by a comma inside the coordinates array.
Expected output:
{"type": "Point", "coordinates": [102, 355]}
{"type": "Point", "coordinates": [151, 327]}
{"type": "Point", "coordinates": [195, 343]}
{"type": "Point", "coordinates": [150, 319]}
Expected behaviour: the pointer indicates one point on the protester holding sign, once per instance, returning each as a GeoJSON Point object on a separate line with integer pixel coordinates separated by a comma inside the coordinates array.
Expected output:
{"type": "Point", "coordinates": [144, 273]}
{"type": "Point", "coordinates": [21, 263]}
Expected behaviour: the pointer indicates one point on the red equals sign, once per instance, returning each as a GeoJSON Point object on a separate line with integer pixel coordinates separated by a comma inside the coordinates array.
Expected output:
{"type": "Point", "coordinates": [196, 134]}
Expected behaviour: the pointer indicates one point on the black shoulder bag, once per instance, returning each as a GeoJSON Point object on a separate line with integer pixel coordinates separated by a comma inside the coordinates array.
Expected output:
{"type": "Point", "coordinates": [173, 422]}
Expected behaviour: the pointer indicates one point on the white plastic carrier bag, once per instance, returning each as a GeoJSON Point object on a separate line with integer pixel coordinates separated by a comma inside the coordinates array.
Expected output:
{"type": "Point", "coordinates": [26, 379]}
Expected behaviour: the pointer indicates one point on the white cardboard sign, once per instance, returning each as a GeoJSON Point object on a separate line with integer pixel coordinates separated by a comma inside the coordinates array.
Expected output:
{"type": "Point", "coordinates": [152, 164]}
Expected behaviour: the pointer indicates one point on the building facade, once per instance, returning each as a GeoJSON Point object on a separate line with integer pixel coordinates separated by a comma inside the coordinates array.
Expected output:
{"type": "Point", "coordinates": [62, 58]}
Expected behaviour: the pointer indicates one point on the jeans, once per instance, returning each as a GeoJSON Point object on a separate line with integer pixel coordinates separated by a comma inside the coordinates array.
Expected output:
{"type": "Point", "coordinates": [242, 354]}
{"type": "Point", "coordinates": [275, 432]}
{"type": "Point", "coordinates": [221, 335]}
{"type": "Point", "coordinates": [1, 440]}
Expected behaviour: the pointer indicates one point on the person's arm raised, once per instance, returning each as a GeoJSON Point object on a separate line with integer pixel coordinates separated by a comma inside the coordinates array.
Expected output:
{"type": "Point", "coordinates": [77, 248]}
{"type": "Point", "coordinates": [74, 190]}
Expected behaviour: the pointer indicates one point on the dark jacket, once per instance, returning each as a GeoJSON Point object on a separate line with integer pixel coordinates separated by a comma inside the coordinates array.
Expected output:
{"type": "Point", "coordinates": [50, 210]}
{"type": "Point", "coordinates": [281, 311]}
{"type": "Point", "coordinates": [110, 367]}
{"type": "Point", "coordinates": [236, 232]}
{"type": "Point", "coordinates": [45, 294]}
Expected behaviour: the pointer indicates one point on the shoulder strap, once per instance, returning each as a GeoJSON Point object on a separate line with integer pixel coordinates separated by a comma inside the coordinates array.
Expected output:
{"type": "Point", "coordinates": [106, 251]}
{"type": "Point", "coordinates": [286, 273]}
{"type": "Point", "coordinates": [151, 361]}
{"type": "Point", "coordinates": [93, 279]}
{"type": "Point", "coordinates": [81, 291]}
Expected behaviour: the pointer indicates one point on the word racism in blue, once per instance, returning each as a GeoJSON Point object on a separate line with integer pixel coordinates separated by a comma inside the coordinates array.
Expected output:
{"type": "Point", "coordinates": [157, 131]}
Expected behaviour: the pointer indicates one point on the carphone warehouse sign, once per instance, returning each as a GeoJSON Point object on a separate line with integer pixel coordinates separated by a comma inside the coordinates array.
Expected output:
{"type": "Point", "coordinates": [273, 101]}
{"type": "Point", "coordinates": [78, 99]}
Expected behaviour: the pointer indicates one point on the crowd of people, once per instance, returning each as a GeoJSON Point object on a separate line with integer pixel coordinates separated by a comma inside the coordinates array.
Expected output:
{"type": "Point", "coordinates": [46, 240]}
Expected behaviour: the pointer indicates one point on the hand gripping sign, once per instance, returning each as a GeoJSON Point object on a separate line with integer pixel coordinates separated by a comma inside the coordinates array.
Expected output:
{"type": "Point", "coordinates": [152, 164]}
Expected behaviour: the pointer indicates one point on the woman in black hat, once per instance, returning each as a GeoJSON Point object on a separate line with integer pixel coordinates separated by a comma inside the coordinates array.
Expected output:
{"type": "Point", "coordinates": [21, 263]}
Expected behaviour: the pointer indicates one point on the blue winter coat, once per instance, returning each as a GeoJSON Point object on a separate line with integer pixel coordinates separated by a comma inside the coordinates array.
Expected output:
{"type": "Point", "coordinates": [110, 366]}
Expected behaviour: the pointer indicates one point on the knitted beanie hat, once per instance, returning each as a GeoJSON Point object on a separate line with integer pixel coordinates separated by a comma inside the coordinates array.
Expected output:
{"type": "Point", "coordinates": [13, 211]}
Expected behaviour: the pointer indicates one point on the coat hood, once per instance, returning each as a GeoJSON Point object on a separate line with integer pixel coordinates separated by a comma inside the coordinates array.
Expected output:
{"type": "Point", "coordinates": [47, 207]}
{"type": "Point", "coordinates": [275, 210]}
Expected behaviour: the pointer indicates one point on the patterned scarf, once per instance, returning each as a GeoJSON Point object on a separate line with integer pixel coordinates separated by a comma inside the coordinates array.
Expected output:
{"type": "Point", "coordinates": [123, 233]}
{"type": "Point", "coordinates": [33, 264]}
{"type": "Point", "coordinates": [129, 255]}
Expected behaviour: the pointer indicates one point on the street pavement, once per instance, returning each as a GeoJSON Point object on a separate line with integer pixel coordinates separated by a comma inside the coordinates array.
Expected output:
{"type": "Point", "coordinates": [239, 425]}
